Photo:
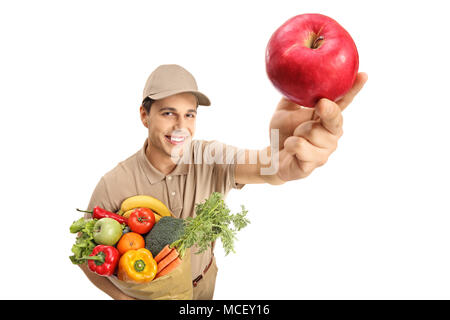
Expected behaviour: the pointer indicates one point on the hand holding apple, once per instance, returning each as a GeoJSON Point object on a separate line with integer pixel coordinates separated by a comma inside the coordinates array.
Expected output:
{"type": "Point", "coordinates": [311, 57]}
{"type": "Point", "coordinates": [288, 115]}
{"type": "Point", "coordinates": [308, 136]}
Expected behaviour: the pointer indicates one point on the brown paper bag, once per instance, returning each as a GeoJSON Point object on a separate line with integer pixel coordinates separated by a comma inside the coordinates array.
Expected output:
{"type": "Point", "coordinates": [176, 285]}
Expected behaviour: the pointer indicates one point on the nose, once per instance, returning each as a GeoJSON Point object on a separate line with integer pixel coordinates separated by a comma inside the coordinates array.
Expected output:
{"type": "Point", "coordinates": [180, 124]}
{"type": "Point", "coordinates": [180, 128]}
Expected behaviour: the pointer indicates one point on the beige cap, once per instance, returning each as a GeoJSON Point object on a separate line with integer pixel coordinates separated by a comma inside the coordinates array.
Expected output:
{"type": "Point", "coordinates": [170, 79]}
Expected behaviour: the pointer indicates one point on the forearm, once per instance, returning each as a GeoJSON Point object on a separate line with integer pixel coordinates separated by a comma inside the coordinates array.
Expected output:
{"type": "Point", "coordinates": [273, 179]}
{"type": "Point", "coordinates": [259, 166]}
{"type": "Point", "coordinates": [104, 284]}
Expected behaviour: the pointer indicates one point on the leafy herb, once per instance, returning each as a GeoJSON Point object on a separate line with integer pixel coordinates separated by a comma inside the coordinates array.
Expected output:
{"type": "Point", "coordinates": [85, 240]}
{"type": "Point", "coordinates": [212, 221]}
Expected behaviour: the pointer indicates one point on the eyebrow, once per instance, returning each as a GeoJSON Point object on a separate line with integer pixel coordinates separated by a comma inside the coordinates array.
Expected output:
{"type": "Point", "coordinates": [173, 109]}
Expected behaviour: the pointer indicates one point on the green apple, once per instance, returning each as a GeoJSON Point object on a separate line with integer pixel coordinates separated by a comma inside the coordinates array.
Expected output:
{"type": "Point", "coordinates": [107, 231]}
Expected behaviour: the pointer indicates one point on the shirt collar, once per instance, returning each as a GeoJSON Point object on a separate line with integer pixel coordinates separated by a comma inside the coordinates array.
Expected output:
{"type": "Point", "coordinates": [153, 174]}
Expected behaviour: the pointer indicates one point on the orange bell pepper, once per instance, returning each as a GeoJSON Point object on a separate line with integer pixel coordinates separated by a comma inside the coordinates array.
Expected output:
{"type": "Point", "coordinates": [137, 266]}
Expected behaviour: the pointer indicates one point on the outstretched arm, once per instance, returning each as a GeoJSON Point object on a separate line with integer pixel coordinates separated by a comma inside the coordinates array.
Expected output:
{"type": "Point", "coordinates": [302, 139]}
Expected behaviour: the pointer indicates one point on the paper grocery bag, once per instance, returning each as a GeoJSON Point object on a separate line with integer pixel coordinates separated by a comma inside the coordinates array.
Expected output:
{"type": "Point", "coordinates": [176, 285]}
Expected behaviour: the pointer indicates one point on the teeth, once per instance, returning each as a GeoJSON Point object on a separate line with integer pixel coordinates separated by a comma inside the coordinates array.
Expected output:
{"type": "Point", "coordinates": [177, 139]}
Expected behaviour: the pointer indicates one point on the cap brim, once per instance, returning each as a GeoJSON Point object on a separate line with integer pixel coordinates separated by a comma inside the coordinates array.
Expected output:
{"type": "Point", "coordinates": [201, 98]}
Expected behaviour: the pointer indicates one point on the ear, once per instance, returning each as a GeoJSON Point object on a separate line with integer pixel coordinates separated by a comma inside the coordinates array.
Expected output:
{"type": "Point", "coordinates": [144, 116]}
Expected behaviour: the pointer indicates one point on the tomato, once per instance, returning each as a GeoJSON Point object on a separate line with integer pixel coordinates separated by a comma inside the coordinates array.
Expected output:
{"type": "Point", "coordinates": [141, 220]}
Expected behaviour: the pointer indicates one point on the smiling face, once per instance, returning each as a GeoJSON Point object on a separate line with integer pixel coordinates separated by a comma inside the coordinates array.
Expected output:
{"type": "Point", "coordinates": [170, 123]}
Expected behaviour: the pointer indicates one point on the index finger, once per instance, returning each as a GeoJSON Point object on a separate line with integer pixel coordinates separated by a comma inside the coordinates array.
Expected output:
{"type": "Point", "coordinates": [330, 116]}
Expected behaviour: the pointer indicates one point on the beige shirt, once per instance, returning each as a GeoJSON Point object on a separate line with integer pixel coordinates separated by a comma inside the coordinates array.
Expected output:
{"type": "Point", "coordinates": [191, 182]}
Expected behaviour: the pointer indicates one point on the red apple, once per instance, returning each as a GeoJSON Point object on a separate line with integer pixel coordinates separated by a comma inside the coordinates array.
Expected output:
{"type": "Point", "coordinates": [311, 57]}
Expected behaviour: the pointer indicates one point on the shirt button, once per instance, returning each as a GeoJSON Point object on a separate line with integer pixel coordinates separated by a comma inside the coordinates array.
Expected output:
{"type": "Point", "coordinates": [169, 178]}
{"type": "Point", "coordinates": [173, 193]}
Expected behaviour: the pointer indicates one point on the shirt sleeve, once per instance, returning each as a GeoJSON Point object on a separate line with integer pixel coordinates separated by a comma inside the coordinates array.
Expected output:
{"type": "Point", "coordinates": [225, 178]}
{"type": "Point", "coordinates": [224, 165]}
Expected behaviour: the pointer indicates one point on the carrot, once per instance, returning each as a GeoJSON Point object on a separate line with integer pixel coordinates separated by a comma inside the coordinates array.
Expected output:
{"type": "Point", "coordinates": [164, 252]}
{"type": "Point", "coordinates": [167, 260]}
{"type": "Point", "coordinates": [175, 263]}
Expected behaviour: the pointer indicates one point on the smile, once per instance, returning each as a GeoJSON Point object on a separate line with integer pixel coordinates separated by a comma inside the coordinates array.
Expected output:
{"type": "Point", "coordinates": [175, 139]}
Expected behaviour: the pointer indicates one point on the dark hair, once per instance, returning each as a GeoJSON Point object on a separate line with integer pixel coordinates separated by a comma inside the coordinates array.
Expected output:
{"type": "Point", "coordinates": [147, 103]}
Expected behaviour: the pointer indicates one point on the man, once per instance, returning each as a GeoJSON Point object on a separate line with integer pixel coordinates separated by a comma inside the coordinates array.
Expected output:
{"type": "Point", "coordinates": [178, 170]}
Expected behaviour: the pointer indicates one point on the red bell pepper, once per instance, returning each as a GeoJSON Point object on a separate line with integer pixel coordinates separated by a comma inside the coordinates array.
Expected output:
{"type": "Point", "coordinates": [99, 213]}
{"type": "Point", "coordinates": [103, 260]}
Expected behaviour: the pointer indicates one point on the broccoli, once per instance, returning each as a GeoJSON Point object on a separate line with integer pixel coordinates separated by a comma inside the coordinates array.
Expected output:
{"type": "Point", "coordinates": [166, 231]}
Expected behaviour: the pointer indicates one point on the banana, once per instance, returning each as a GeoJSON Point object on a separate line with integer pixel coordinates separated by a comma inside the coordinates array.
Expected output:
{"type": "Point", "coordinates": [144, 201]}
{"type": "Point", "coordinates": [127, 213]}
{"type": "Point", "coordinates": [157, 217]}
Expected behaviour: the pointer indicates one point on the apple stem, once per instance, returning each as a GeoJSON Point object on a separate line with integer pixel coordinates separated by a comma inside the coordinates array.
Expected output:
{"type": "Point", "coordinates": [315, 44]}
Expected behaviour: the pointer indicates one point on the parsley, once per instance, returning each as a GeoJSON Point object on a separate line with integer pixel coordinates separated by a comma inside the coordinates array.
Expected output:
{"type": "Point", "coordinates": [212, 221]}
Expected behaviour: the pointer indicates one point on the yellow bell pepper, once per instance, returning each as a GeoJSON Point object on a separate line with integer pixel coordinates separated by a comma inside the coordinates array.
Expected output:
{"type": "Point", "coordinates": [137, 266]}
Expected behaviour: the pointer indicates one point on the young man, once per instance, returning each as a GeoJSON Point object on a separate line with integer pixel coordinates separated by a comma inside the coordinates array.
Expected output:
{"type": "Point", "coordinates": [181, 172]}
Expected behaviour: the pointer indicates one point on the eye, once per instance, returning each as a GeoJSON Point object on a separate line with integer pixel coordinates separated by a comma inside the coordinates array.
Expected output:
{"type": "Point", "coordinates": [167, 113]}
{"type": "Point", "coordinates": [190, 115]}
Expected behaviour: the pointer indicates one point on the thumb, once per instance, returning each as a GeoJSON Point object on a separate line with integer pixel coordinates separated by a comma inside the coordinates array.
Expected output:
{"type": "Point", "coordinates": [360, 81]}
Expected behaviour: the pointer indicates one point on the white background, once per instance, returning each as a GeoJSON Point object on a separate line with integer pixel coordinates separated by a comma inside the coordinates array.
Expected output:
{"type": "Point", "coordinates": [373, 223]}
